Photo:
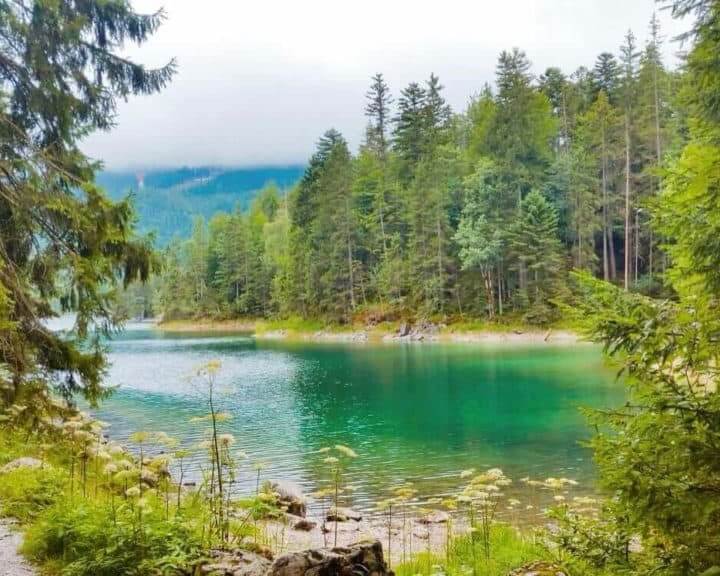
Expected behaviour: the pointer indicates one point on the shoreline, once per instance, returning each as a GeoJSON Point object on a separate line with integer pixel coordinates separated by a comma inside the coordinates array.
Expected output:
{"type": "Point", "coordinates": [386, 333]}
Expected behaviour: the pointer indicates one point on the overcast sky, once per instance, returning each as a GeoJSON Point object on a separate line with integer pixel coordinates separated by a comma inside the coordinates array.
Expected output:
{"type": "Point", "coordinates": [260, 80]}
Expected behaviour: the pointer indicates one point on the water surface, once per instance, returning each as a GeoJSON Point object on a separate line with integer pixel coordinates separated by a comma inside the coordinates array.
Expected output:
{"type": "Point", "coordinates": [413, 412]}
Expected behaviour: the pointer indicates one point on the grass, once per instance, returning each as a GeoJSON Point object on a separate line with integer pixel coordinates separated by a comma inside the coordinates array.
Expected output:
{"type": "Point", "coordinates": [88, 526]}
{"type": "Point", "coordinates": [509, 549]}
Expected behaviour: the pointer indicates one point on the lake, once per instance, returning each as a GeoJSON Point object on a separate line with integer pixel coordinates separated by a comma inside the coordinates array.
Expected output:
{"type": "Point", "coordinates": [412, 412]}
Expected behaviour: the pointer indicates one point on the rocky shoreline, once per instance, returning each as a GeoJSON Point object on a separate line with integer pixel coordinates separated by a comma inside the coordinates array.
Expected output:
{"type": "Point", "coordinates": [421, 332]}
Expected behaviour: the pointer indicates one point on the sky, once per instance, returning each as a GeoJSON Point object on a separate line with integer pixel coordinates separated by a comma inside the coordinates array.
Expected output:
{"type": "Point", "coordinates": [259, 81]}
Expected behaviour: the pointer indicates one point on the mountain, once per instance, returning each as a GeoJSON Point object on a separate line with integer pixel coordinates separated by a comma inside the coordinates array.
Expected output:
{"type": "Point", "coordinates": [167, 200]}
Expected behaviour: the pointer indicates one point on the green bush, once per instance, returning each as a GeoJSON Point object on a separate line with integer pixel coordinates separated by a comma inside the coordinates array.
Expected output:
{"type": "Point", "coordinates": [88, 538]}
{"type": "Point", "coordinates": [25, 492]}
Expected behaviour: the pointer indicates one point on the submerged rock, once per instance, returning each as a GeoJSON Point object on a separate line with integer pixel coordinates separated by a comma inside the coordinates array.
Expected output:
{"type": "Point", "coordinates": [434, 517]}
{"type": "Point", "coordinates": [355, 560]}
{"type": "Point", "coordinates": [24, 462]}
{"type": "Point", "coordinates": [539, 569]}
{"type": "Point", "coordinates": [303, 524]}
{"type": "Point", "coordinates": [290, 497]}
{"type": "Point", "coordinates": [343, 515]}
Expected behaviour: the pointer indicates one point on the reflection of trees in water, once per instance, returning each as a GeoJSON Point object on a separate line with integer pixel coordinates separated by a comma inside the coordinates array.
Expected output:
{"type": "Point", "coordinates": [419, 412]}
{"type": "Point", "coordinates": [425, 410]}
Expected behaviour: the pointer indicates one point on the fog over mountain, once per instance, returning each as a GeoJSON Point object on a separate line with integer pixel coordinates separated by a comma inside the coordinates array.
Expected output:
{"type": "Point", "coordinates": [259, 82]}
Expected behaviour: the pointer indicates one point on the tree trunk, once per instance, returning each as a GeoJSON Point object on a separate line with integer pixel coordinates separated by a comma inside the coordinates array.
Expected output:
{"type": "Point", "coordinates": [606, 265]}
{"type": "Point", "coordinates": [349, 252]}
{"type": "Point", "coordinates": [627, 203]}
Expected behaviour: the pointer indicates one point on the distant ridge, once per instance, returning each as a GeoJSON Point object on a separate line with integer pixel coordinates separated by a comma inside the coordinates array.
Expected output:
{"type": "Point", "coordinates": [167, 200]}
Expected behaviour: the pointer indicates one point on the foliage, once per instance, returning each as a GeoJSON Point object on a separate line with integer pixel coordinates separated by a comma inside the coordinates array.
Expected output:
{"type": "Point", "coordinates": [62, 239]}
{"type": "Point", "coordinates": [430, 216]}
{"type": "Point", "coordinates": [659, 453]}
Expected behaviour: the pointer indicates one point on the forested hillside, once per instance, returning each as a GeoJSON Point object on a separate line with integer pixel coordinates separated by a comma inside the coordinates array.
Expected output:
{"type": "Point", "coordinates": [481, 211]}
{"type": "Point", "coordinates": [167, 200]}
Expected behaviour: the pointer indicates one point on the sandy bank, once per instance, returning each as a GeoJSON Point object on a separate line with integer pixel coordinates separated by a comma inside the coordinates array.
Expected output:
{"type": "Point", "coordinates": [379, 334]}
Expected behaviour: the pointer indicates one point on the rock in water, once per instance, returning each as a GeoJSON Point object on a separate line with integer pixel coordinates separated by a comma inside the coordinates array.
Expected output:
{"type": "Point", "coordinates": [304, 525]}
{"type": "Point", "coordinates": [434, 517]}
{"type": "Point", "coordinates": [539, 569]}
{"type": "Point", "coordinates": [343, 515]}
{"type": "Point", "coordinates": [356, 560]}
{"type": "Point", "coordinates": [290, 496]}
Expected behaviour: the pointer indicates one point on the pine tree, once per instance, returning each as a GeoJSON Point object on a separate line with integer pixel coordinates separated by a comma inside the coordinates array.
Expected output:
{"type": "Point", "coordinates": [628, 89]}
{"type": "Point", "coordinates": [534, 243]}
{"type": "Point", "coordinates": [377, 110]}
{"type": "Point", "coordinates": [480, 231]}
{"type": "Point", "coordinates": [410, 122]}
{"type": "Point", "coordinates": [61, 72]}
{"type": "Point", "coordinates": [606, 76]}
{"type": "Point", "coordinates": [601, 133]}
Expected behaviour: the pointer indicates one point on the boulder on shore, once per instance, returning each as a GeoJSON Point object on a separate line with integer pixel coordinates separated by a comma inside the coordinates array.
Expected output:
{"type": "Point", "coordinates": [539, 569]}
{"type": "Point", "coordinates": [235, 563]}
{"type": "Point", "coordinates": [24, 462]}
{"type": "Point", "coordinates": [290, 496]}
{"type": "Point", "coordinates": [357, 559]}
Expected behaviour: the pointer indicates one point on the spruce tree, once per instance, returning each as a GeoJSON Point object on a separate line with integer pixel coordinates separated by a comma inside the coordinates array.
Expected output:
{"type": "Point", "coordinates": [377, 109]}
{"type": "Point", "coordinates": [61, 72]}
{"type": "Point", "coordinates": [409, 133]}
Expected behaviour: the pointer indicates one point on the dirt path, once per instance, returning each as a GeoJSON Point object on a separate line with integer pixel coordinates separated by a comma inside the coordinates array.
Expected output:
{"type": "Point", "coordinates": [11, 562]}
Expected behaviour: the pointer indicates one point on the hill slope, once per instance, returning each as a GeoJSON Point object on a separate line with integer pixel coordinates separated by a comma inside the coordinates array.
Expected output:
{"type": "Point", "coordinates": [167, 200]}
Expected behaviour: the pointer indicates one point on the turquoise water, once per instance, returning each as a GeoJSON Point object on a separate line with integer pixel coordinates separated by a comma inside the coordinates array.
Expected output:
{"type": "Point", "coordinates": [413, 412]}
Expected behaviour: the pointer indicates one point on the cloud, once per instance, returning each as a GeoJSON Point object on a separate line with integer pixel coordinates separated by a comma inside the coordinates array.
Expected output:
{"type": "Point", "coordinates": [258, 82]}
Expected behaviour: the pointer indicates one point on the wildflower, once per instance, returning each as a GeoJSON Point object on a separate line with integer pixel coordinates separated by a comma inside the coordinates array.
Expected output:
{"type": "Point", "coordinates": [559, 498]}
{"type": "Point", "coordinates": [226, 439]}
{"type": "Point", "coordinates": [132, 492]}
{"type": "Point", "coordinates": [331, 460]}
{"type": "Point", "coordinates": [495, 473]}
{"type": "Point", "coordinates": [449, 503]}
{"type": "Point", "coordinates": [467, 473]}
{"type": "Point", "coordinates": [349, 452]}
{"type": "Point", "coordinates": [110, 469]}
{"type": "Point", "coordinates": [139, 437]}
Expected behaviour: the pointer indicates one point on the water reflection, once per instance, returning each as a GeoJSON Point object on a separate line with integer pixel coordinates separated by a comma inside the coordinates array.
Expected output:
{"type": "Point", "coordinates": [415, 412]}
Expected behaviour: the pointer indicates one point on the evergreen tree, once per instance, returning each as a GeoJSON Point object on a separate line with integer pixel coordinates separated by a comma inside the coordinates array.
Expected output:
{"type": "Point", "coordinates": [534, 243]}
{"type": "Point", "coordinates": [410, 122]}
{"type": "Point", "coordinates": [523, 129]}
{"type": "Point", "coordinates": [480, 232]}
{"type": "Point", "coordinates": [377, 110]}
{"type": "Point", "coordinates": [61, 72]}
{"type": "Point", "coordinates": [606, 76]}
{"type": "Point", "coordinates": [601, 134]}
{"type": "Point", "coordinates": [628, 89]}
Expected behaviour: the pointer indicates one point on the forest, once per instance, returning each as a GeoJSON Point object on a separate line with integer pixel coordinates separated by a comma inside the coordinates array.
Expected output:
{"type": "Point", "coordinates": [481, 212]}
{"type": "Point", "coordinates": [595, 196]}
